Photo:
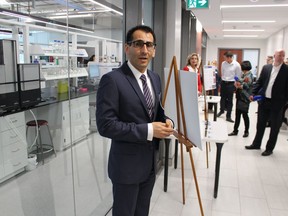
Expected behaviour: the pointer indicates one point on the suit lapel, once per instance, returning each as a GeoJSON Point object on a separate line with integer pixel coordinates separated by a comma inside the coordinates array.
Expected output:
{"type": "Point", "coordinates": [133, 82]}
{"type": "Point", "coordinates": [269, 71]}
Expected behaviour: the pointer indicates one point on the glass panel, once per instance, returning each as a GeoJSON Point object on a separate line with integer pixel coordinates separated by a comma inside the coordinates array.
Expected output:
{"type": "Point", "coordinates": [61, 37]}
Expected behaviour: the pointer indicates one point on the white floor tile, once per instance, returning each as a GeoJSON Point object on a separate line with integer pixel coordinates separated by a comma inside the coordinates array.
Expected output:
{"type": "Point", "coordinates": [249, 184]}
{"type": "Point", "coordinates": [254, 207]}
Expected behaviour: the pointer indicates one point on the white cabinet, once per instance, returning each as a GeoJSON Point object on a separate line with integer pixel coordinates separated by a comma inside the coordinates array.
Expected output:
{"type": "Point", "coordinates": [13, 145]}
{"type": "Point", "coordinates": [62, 127]}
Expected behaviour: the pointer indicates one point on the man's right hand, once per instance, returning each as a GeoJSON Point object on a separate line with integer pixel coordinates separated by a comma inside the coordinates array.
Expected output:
{"type": "Point", "coordinates": [161, 130]}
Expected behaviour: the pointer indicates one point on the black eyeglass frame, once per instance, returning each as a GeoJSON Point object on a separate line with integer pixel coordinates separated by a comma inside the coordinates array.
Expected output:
{"type": "Point", "coordinates": [149, 44]}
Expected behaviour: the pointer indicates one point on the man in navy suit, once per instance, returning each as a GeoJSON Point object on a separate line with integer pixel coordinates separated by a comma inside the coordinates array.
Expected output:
{"type": "Point", "coordinates": [273, 86]}
{"type": "Point", "coordinates": [134, 124]}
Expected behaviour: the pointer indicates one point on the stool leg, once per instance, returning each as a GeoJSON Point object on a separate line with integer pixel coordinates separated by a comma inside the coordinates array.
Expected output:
{"type": "Point", "coordinates": [37, 140]}
{"type": "Point", "coordinates": [51, 139]}
{"type": "Point", "coordinates": [26, 139]}
{"type": "Point", "coordinates": [40, 143]}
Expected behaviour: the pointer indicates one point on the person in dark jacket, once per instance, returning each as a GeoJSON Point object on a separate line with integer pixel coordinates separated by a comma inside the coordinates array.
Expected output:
{"type": "Point", "coordinates": [273, 86]}
{"type": "Point", "coordinates": [129, 112]}
{"type": "Point", "coordinates": [243, 91]}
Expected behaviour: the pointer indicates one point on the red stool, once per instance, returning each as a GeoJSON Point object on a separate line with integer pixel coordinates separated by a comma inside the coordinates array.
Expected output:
{"type": "Point", "coordinates": [41, 148]}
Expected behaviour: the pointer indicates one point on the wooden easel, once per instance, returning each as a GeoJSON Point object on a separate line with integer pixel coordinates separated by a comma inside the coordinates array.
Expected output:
{"type": "Point", "coordinates": [182, 138]}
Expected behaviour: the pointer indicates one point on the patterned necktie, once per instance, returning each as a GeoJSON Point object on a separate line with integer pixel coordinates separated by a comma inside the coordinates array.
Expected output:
{"type": "Point", "coordinates": [147, 95]}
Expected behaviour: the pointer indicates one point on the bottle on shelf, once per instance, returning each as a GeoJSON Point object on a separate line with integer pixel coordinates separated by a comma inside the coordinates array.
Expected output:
{"type": "Point", "coordinates": [56, 61]}
{"type": "Point", "coordinates": [63, 48]}
{"type": "Point", "coordinates": [55, 46]}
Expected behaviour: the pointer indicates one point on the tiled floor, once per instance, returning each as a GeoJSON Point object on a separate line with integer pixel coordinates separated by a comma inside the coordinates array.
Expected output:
{"type": "Point", "coordinates": [249, 185]}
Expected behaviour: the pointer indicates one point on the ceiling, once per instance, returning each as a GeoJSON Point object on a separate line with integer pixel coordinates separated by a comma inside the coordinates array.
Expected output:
{"type": "Point", "coordinates": [107, 14]}
{"type": "Point", "coordinates": [88, 14]}
{"type": "Point", "coordinates": [211, 19]}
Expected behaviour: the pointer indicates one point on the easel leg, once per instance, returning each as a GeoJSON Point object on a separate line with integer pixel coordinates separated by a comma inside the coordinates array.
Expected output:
{"type": "Point", "coordinates": [196, 181]}
{"type": "Point", "coordinates": [217, 168]}
{"type": "Point", "coordinates": [182, 174]}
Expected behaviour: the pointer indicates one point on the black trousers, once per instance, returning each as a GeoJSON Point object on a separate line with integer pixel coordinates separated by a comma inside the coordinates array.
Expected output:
{"type": "Point", "coordinates": [133, 199]}
{"type": "Point", "coordinates": [238, 118]}
{"type": "Point", "coordinates": [227, 91]}
{"type": "Point", "coordinates": [265, 113]}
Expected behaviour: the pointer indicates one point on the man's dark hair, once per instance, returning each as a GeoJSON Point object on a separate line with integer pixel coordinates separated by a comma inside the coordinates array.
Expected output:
{"type": "Point", "coordinates": [147, 29]}
{"type": "Point", "coordinates": [246, 66]}
{"type": "Point", "coordinates": [228, 54]}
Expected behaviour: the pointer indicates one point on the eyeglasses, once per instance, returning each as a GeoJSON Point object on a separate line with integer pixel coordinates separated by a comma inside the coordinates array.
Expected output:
{"type": "Point", "coordinates": [140, 43]}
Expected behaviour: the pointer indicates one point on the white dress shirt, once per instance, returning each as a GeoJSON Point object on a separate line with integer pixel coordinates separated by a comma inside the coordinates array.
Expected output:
{"type": "Point", "coordinates": [229, 71]}
{"type": "Point", "coordinates": [273, 75]}
{"type": "Point", "coordinates": [137, 75]}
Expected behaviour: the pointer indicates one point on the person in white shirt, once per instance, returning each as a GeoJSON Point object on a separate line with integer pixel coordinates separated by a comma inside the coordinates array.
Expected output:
{"type": "Point", "coordinates": [229, 69]}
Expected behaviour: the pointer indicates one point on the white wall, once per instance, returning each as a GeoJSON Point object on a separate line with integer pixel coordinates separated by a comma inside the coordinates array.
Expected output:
{"type": "Point", "coordinates": [285, 41]}
{"type": "Point", "coordinates": [268, 46]}
{"type": "Point", "coordinates": [214, 45]}
{"type": "Point", "coordinates": [173, 32]}
{"type": "Point", "coordinates": [275, 42]}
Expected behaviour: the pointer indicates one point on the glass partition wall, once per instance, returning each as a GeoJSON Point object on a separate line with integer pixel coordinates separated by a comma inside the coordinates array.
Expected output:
{"type": "Point", "coordinates": [60, 169]}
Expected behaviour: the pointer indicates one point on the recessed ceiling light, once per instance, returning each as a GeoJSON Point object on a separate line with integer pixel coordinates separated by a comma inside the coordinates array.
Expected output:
{"type": "Point", "coordinates": [70, 16]}
{"type": "Point", "coordinates": [246, 30]}
{"type": "Point", "coordinates": [248, 21]}
{"type": "Point", "coordinates": [254, 0]}
{"type": "Point", "coordinates": [248, 36]}
{"type": "Point", "coordinates": [255, 6]}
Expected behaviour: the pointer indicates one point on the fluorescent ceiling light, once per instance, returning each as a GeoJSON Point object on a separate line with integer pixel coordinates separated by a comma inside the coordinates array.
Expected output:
{"type": "Point", "coordinates": [248, 21]}
{"type": "Point", "coordinates": [69, 16]}
{"type": "Point", "coordinates": [4, 2]}
{"type": "Point", "coordinates": [102, 5]}
{"type": "Point", "coordinates": [14, 15]}
{"type": "Point", "coordinates": [94, 11]}
{"type": "Point", "coordinates": [251, 5]}
{"type": "Point", "coordinates": [28, 18]}
{"type": "Point", "coordinates": [248, 36]}
{"type": "Point", "coordinates": [242, 30]}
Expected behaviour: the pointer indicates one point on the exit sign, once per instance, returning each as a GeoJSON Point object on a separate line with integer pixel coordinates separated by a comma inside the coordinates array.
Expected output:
{"type": "Point", "coordinates": [191, 4]}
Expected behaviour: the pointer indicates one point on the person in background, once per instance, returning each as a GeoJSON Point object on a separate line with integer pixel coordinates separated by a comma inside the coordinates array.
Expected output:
{"type": "Point", "coordinates": [286, 61]}
{"type": "Point", "coordinates": [129, 112]}
{"type": "Point", "coordinates": [229, 69]}
{"type": "Point", "coordinates": [192, 65]}
{"type": "Point", "coordinates": [269, 59]}
{"type": "Point", "coordinates": [218, 81]}
{"type": "Point", "coordinates": [273, 86]}
{"type": "Point", "coordinates": [243, 91]}
{"type": "Point", "coordinates": [218, 78]}
{"type": "Point", "coordinates": [254, 73]}
{"type": "Point", "coordinates": [92, 58]}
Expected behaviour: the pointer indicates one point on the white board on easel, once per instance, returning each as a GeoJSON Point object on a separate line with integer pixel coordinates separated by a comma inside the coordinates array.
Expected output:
{"type": "Point", "coordinates": [188, 84]}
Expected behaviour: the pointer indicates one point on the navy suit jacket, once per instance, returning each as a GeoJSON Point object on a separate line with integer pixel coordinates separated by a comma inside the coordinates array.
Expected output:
{"type": "Point", "coordinates": [280, 87]}
{"type": "Point", "coordinates": [122, 115]}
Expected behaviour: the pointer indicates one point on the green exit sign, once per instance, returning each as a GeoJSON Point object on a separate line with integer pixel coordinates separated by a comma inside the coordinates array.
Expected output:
{"type": "Point", "coordinates": [191, 4]}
